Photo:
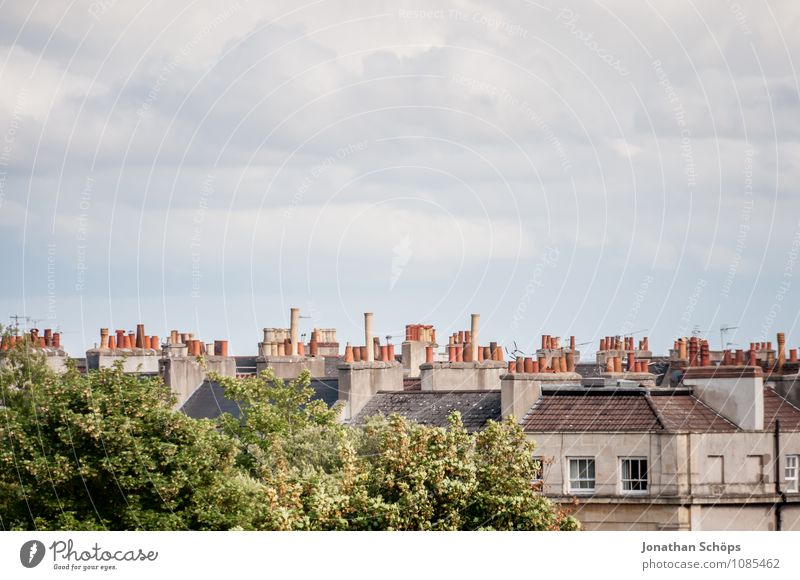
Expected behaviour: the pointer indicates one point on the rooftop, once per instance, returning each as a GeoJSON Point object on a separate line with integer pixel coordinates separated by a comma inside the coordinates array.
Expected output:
{"type": "Point", "coordinates": [638, 410]}
{"type": "Point", "coordinates": [433, 407]}
{"type": "Point", "coordinates": [208, 401]}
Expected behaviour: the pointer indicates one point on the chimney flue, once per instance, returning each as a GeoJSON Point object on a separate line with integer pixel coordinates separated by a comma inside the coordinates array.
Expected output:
{"type": "Point", "coordinates": [474, 336]}
{"type": "Point", "coordinates": [140, 336]}
{"type": "Point", "coordinates": [313, 345]}
{"type": "Point", "coordinates": [368, 337]}
{"type": "Point", "coordinates": [293, 330]}
{"type": "Point", "coordinates": [781, 350]}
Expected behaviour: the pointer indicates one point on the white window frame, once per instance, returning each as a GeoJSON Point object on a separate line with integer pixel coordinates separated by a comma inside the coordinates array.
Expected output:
{"type": "Point", "coordinates": [790, 473]}
{"type": "Point", "coordinates": [579, 479]}
{"type": "Point", "coordinates": [623, 480]}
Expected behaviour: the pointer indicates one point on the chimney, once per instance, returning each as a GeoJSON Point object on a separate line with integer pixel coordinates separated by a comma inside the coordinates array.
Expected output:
{"type": "Point", "coordinates": [528, 364]}
{"type": "Point", "coordinates": [736, 393]}
{"type": "Point", "coordinates": [781, 350]}
{"type": "Point", "coordinates": [705, 357]}
{"type": "Point", "coordinates": [294, 330]}
{"type": "Point", "coordinates": [682, 354]}
{"type": "Point", "coordinates": [368, 336]}
{"type": "Point", "coordinates": [518, 392]}
{"type": "Point", "coordinates": [474, 336]}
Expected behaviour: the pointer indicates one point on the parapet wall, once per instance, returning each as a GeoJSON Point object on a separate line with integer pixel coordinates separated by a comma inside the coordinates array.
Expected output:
{"type": "Point", "coordinates": [184, 374]}
{"type": "Point", "coordinates": [290, 367]}
{"type": "Point", "coordinates": [461, 376]}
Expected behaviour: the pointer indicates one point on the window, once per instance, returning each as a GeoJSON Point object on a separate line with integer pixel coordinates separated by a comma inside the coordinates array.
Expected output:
{"type": "Point", "coordinates": [634, 474]}
{"type": "Point", "coordinates": [791, 473]}
{"type": "Point", "coordinates": [581, 474]}
{"type": "Point", "coordinates": [538, 472]}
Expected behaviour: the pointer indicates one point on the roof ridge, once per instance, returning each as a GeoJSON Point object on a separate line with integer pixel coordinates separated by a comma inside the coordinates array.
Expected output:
{"type": "Point", "coordinates": [714, 411]}
{"type": "Point", "coordinates": [659, 418]}
{"type": "Point", "coordinates": [784, 399]}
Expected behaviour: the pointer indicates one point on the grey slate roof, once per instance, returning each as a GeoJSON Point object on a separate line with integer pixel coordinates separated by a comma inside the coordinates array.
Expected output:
{"type": "Point", "coordinates": [208, 401]}
{"type": "Point", "coordinates": [326, 389]}
{"type": "Point", "coordinates": [433, 407]}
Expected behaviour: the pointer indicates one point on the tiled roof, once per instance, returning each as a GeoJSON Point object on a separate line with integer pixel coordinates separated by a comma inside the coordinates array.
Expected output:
{"type": "Point", "coordinates": [687, 413]}
{"type": "Point", "coordinates": [433, 407]}
{"type": "Point", "coordinates": [776, 407]}
{"type": "Point", "coordinates": [617, 411]}
{"type": "Point", "coordinates": [591, 412]}
{"type": "Point", "coordinates": [412, 384]}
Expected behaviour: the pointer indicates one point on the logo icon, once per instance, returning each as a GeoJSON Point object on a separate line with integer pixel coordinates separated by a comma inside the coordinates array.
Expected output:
{"type": "Point", "coordinates": [31, 553]}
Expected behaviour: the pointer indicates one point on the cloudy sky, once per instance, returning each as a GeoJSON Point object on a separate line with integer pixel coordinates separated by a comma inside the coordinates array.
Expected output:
{"type": "Point", "coordinates": [570, 168]}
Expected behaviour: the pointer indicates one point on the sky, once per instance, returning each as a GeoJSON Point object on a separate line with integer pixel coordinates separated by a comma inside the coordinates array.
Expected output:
{"type": "Point", "coordinates": [584, 168]}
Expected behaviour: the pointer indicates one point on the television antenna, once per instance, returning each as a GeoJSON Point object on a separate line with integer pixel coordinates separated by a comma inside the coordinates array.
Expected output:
{"type": "Point", "coordinates": [722, 331]}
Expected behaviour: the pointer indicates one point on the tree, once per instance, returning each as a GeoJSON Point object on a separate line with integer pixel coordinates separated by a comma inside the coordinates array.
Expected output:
{"type": "Point", "coordinates": [106, 451]}
{"type": "Point", "coordinates": [413, 477]}
{"type": "Point", "coordinates": [390, 474]}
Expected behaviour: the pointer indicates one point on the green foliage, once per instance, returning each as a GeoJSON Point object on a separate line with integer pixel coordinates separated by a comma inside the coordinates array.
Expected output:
{"type": "Point", "coordinates": [107, 451]}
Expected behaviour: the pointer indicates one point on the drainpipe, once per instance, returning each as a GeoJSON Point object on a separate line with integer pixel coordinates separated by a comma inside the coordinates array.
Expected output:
{"type": "Point", "coordinates": [778, 506]}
